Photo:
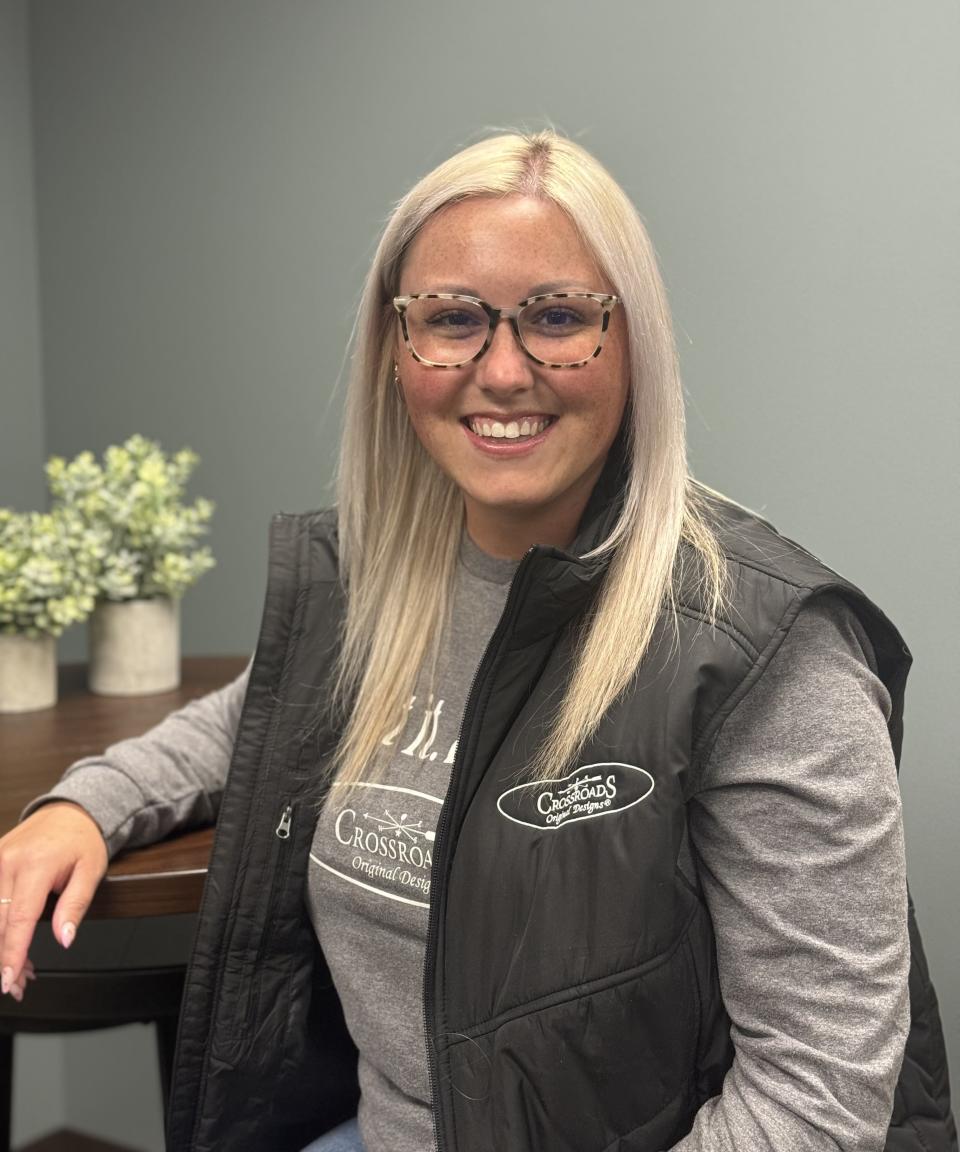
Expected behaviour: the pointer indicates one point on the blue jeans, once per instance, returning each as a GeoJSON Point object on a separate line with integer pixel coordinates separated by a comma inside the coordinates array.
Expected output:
{"type": "Point", "coordinates": [344, 1138]}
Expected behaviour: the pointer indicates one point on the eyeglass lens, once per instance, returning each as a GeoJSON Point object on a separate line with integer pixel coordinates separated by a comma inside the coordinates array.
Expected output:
{"type": "Point", "coordinates": [558, 330]}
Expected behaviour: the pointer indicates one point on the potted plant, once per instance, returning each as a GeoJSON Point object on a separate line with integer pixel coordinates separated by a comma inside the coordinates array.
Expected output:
{"type": "Point", "coordinates": [135, 496]}
{"type": "Point", "coordinates": [48, 580]}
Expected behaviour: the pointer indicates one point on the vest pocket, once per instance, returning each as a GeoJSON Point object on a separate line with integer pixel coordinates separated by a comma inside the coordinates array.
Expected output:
{"type": "Point", "coordinates": [242, 973]}
{"type": "Point", "coordinates": [575, 1071]}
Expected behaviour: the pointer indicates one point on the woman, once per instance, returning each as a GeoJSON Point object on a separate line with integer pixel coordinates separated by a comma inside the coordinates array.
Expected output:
{"type": "Point", "coordinates": [588, 776]}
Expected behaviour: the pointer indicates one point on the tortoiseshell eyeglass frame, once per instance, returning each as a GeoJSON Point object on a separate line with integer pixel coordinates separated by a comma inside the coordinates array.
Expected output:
{"type": "Point", "coordinates": [495, 315]}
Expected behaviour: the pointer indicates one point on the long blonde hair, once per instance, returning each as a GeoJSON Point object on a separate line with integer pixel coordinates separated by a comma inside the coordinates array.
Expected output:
{"type": "Point", "coordinates": [401, 518]}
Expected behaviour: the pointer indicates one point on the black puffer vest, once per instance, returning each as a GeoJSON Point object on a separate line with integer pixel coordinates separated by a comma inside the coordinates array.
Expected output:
{"type": "Point", "coordinates": [571, 993]}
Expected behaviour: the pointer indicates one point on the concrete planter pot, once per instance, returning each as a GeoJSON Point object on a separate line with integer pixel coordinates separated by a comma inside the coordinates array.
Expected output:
{"type": "Point", "coordinates": [134, 647]}
{"type": "Point", "coordinates": [28, 673]}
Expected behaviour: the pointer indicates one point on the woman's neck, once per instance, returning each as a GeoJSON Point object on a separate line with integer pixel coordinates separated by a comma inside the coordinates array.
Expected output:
{"type": "Point", "coordinates": [507, 536]}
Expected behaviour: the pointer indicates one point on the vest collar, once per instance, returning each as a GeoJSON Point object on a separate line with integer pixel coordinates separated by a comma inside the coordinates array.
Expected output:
{"type": "Point", "coordinates": [557, 584]}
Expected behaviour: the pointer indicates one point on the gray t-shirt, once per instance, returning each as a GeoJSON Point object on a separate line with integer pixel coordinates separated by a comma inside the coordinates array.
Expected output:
{"type": "Point", "coordinates": [796, 837]}
{"type": "Point", "coordinates": [369, 877]}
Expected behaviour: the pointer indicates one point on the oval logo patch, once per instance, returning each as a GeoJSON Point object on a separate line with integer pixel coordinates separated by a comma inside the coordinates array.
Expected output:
{"type": "Point", "coordinates": [589, 791]}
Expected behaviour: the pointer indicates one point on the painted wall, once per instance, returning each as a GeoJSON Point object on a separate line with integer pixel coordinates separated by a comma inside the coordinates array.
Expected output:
{"type": "Point", "coordinates": [21, 393]}
{"type": "Point", "coordinates": [39, 1060]}
{"type": "Point", "coordinates": [211, 180]}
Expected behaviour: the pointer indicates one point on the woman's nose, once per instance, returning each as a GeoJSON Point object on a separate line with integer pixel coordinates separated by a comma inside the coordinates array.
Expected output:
{"type": "Point", "coordinates": [504, 364]}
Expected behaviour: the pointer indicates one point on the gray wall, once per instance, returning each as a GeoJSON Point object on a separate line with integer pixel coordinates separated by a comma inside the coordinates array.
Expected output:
{"type": "Point", "coordinates": [211, 177]}
{"type": "Point", "coordinates": [39, 1076]}
{"type": "Point", "coordinates": [21, 393]}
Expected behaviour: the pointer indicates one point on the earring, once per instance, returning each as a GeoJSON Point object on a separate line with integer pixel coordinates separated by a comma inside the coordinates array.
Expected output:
{"type": "Point", "coordinates": [396, 381]}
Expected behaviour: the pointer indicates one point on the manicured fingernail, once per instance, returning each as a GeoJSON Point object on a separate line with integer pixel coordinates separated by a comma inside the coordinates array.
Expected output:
{"type": "Point", "coordinates": [16, 992]}
{"type": "Point", "coordinates": [6, 979]}
{"type": "Point", "coordinates": [67, 934]}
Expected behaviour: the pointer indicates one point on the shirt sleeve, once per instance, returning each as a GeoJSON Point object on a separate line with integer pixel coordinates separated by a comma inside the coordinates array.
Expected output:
{"type": "Point", "coordinates": [798, 842]}
{"type": "Point", "coordinates": [169, 779]}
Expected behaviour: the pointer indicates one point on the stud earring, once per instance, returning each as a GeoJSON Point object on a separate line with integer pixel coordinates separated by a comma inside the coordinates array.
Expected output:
{"type": "Point", "coordinates": [396, 381]}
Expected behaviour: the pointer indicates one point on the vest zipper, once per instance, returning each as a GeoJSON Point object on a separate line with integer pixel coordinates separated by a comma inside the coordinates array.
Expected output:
{"type": "Point", "coordinates": [440, 843]}
{"type": "Point", "coordinates": [279, 863]}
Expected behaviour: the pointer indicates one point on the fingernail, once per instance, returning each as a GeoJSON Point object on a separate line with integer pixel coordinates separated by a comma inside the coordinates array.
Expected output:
{"type": "Point", "coordinates": [6, 979]}
{"type": "Point", "coordinates": [67, 934]}
{"type": "Point", "coordinates": [16, 992]}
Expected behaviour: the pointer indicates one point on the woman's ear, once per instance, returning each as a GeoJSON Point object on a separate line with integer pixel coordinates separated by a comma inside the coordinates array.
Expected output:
{"type": "Point", "coordinates": [397, 382]}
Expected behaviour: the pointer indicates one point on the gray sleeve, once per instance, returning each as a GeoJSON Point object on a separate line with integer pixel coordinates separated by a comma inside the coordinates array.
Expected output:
{"type": "Point", "coordinates": [169, 779]}
{"type": "Point", "coordinates": [799, 845]}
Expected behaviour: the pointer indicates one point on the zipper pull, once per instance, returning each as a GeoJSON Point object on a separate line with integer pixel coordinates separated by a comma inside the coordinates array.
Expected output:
{"type": "Point", "coordinates": [283, 828]}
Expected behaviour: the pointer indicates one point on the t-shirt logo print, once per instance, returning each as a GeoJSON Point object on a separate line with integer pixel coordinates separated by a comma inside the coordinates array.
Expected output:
{"type": "Point", "coordinates": [589, 791]}
{"type": "Point", "coordinates": [400, 828]}
{"type": "Point", "coordinates": [384, 846]}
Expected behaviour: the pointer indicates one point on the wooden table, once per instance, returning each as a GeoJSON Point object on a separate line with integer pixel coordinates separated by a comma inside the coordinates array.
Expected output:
{"type": "Point", "coordinates": [36, 747]}
{"type": "Point", "coordinates": [164, 880]}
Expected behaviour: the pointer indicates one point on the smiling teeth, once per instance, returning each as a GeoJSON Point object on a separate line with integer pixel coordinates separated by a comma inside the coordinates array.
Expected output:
{"type": "Point", "coordinates": [514, 430]}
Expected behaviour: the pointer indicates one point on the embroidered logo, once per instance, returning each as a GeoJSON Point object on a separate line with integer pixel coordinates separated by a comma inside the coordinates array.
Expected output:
{"type": "Point", "coordinates": [589, 791]}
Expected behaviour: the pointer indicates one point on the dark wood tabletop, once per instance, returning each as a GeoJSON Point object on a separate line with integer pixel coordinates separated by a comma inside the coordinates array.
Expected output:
{"type": "Point", "coordinates": [165, 879]}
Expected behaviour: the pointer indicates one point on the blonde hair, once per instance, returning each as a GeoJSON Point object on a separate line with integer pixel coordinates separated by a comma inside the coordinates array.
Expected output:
{"type": "Point", "coordinates": [401, 517]}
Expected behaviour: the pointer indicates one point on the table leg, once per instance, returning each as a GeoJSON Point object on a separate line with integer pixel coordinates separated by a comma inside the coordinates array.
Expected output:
{"type": "Point", "coordinates": [6, 1089]}
{"type": "Point", "coordinates": [166, 1046]}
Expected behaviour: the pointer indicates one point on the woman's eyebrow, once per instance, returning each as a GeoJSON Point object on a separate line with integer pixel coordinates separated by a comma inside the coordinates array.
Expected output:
{"type": "Point", "coordinates": [536, 290]}
{"type": "Point", "coordinates": [560, 286]}
{"type": "Point", "coordinates": [456, 289]}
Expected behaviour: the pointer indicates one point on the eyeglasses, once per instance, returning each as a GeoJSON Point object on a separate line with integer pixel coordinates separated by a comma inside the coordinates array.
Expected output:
{"type": "Point", "coordinates": [557, 329]}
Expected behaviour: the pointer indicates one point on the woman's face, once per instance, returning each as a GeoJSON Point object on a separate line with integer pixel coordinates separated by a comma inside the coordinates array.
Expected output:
{"type": "Point", "coordinates": [525, 489]}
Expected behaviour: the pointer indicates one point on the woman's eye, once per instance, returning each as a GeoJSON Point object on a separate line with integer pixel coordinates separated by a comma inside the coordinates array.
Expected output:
{"type": "Point", "coordinates": [557, 318]}
{"type": "Point", "coordinates": [453, 320]}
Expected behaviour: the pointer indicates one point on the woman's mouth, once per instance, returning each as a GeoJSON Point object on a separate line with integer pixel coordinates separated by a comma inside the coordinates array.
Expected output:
{"type": "Point", "coordinates": [522, 428]}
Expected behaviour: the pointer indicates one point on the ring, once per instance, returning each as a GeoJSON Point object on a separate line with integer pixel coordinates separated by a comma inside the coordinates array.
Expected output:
{"type": "Point", "coordinates": [6, 899]}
